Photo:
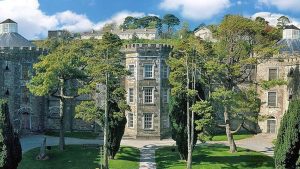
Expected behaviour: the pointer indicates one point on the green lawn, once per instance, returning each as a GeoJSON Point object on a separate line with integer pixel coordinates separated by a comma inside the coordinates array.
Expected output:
{"type": "Point", "coordinates": [236, 137]}
{"type": "Point", "coordinates": [75, 157]}
{"type": "Point", "coordinates": [214, 157]}
{"type": "Point", "coordinates": [75, 134]}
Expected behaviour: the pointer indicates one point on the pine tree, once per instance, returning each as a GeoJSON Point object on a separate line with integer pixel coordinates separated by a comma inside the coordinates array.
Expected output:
{"type": "Point", "coordinates": [287, 149]}
{"type": "Point", "coordinates": [10, 147]}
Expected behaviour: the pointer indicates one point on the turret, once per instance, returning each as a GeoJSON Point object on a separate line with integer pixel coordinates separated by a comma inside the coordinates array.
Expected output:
{"type": "Point", "coordinates": [8, 26]}
{"type": "Point", "coordinates": [291, 32]}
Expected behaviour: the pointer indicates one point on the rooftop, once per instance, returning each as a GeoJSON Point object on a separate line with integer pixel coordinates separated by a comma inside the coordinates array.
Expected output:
{"type": "Point", "coordinates": [8, 21]}
{"type": "Point", "coordinates": [291, 27]}
{"type": "Point", "coordinates": [14, 40]}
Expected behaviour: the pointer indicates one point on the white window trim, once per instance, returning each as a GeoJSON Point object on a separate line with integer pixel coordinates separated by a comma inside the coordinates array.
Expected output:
{"type": "Point", "coordinates": [276, 105]}
{"type": "Point", "coordinates": [128, 120]}
{"type": "Point", "coordinates": [275, 125]}
{"type": "Point", "coordinates": [277, 73]}
{"type": "Point", "coordinates": [152, 121]}
{"type": "Point", "coordinates": [153, 90]}
{"type": "Point", "coordinates": [134, 70]}
{"type": "Point", "coordinates": [165, 74]}
{"type": "Point", "coordinates": [128, 98]}
{"type": "Point", "coordinates": [168, 94]}
{"type": "Point", "coordinates": [144, 72]}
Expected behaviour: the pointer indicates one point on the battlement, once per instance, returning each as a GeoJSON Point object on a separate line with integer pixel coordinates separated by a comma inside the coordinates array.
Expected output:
{"type": "Point", "coordinates": [144, 48]}
{"type": "Point", "coordinates": [22, 49]}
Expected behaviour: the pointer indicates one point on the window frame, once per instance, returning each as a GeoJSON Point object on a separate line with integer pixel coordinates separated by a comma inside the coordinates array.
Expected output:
{"type": "Point", "coordinates": [129, 120]}
{"type": "Point", "coordinates": [165, 71]}
{"type": "Point", "coordinates": [152, 71]}
{"type": "Point", "coordinates": [134, 67]}
{"type": "Point", "coordinates": [129, 95]}
{"type": "Point", "coordinates": [165, 91]}
{"type": "Point", "coordinates": [144, 96]}
{"type": "Point", "coordinates": [144, 121]}
{"type": "Point", "coordinates": [276, 97]}
{"type": "Point", "coordinates": [277, 73]}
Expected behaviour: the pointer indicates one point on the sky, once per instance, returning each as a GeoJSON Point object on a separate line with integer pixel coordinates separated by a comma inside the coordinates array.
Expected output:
{"type": "Point", "coordinates": [36, 17]}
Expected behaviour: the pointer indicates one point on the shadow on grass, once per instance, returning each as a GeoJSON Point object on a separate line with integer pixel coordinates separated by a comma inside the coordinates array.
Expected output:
{"type": "Point", "coordinates": [214, 156]}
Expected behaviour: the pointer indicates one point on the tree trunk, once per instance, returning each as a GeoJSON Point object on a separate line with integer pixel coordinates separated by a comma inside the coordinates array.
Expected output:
{"type": "Point", "coordinates": [105, 145]}
{"type": "Point", "coordinates": [189, 159]}
{"type": "Point", "coordinates": [228, 132]}
{"type": "Point", "coordinates": [62, 117]}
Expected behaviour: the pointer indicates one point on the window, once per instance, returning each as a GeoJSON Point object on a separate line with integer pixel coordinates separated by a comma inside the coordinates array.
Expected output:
{"type": "Point", "coordinates": [148, 95]}
{"type": "Point", "coordinates": [165, 96]}
{"type": "Point", "coordinates": [130, 95]}
{"type": "Point", "coordinates": [166, 123]}
{"type": "Point", "coordinates": [130, 120]}
{"type": "Point", "coordinates": [148, 119]}
{"type": "Point", "coordinates": [131, 70]}
{"type": "Point", "coordinates": [25, 94]}
{"type": "Point", "coordinates": [165, 72]}
{"type": "Point", "coordinates": [25, 72]}
{"type": "Point", "coordinates": [148, 71]}
{"type": "Point", "coordinates": [273, 74]}
{"type": "Point", "coordinates": [272, 99]}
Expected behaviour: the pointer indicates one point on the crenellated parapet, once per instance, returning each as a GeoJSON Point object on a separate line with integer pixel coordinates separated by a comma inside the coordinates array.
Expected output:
{"type": "Point", "coordinates": [19, 53]}
{"type": "Point", "coordinates": [147, 49]}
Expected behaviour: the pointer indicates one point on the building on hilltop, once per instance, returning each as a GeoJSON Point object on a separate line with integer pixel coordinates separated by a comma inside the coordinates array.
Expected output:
{"type": "Point", "coordinates": [275, 101]}
{"type": "Point", "coordinates": [147, 91]}
{"type": "Point", "coordinates": [127, 34]}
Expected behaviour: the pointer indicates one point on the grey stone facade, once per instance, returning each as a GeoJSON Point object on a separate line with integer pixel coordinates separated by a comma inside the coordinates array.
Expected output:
{"type": "Point", "coordinates": [148, 98]}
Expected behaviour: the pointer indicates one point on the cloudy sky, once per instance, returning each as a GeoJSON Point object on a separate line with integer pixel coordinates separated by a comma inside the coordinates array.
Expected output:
{"type": "Point", "coordinates": [36, 17]}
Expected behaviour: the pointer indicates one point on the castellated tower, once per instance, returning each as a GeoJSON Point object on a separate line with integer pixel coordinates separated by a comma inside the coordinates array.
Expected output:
{"type": "Point", "coordinates": [275, 100]}
{"type": "Point", "coordinates": [147, 91]}
{"type": "Point", "coordinates": [17, 56]}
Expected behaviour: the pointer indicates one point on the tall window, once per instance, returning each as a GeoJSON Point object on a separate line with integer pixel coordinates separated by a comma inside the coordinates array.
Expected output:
{"type": "Point", "coordinates": [131, 70]}
{"type": "Point", "coordinates": [130, 120]}
{"type": "Point", "coordinates": [148, 120]}
{"type": "Point", "coordinates": [165, 71]}
{"type": "Point", "coordinates": [272, 99]}
{"type": "Point", "coordinates": [148, 95]}
{"type": "Point", "coordinates": [130, 95]}
{"type": "Point", "coordinates": [25, 72]}
{"type": "Point", "coordinates": [25, 94]}
{"type": "Point", "coordinates": [273, 74]}
{"type": "Point", "coordinates": [148, 71]}
{"type": "Point", "coordinates": [165, 96]}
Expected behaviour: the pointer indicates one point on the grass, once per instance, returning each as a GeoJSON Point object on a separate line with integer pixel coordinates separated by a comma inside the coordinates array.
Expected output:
{"type": "Point", "coordinates": [75, 157]}
{"type": "Point", "coordinates": [223, 137]}
{"type": "Point", "coordinates": [74, 134]}
{"type": "Point", "coordinates": [214, 156]}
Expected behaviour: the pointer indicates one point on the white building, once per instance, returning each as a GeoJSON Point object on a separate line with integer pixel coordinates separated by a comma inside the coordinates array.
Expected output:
{"type": "Point", "coordinates": [150, 34]}
{"type": "Point", "coordinates": [205, 34]}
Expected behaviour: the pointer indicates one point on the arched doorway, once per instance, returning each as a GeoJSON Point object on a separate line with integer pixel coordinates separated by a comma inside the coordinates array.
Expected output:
{"type": "Point", "coordinates": [22, 120]}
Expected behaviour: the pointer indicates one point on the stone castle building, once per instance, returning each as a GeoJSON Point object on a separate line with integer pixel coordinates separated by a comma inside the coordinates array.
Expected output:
{"type": "Point", "coordinates": [29, 113]}
{"type": "Point", "coordinates": [147, 90]}
{"type": "Point", "coordinates": [275, 101]}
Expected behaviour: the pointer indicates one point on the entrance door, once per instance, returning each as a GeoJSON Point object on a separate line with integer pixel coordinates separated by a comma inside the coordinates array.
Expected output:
{"type": "Point", "coordinates": [271, 126]}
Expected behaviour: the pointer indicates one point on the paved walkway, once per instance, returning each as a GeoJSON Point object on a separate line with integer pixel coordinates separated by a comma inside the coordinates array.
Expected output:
{"type": "Point", "coordinates": [260, 143]}
{"type": "Point", "coordinates": [33, 141]}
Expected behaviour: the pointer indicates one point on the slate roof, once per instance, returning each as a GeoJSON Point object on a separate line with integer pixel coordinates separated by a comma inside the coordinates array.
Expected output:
{"type": "Point", "coordinates": [8, 21]}
{"type": "Point", "coordinates": [14, 40]}
{"type": "Point", "coordinates": [291, 27]}
{"type": "Point", "coordinates": [290, 45]}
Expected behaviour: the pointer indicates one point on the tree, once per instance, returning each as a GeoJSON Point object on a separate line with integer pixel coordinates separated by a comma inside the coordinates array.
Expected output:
{"type": "Point", "coordinates": [283, 21]}
{"type": "Point", "coordinates": [53, 72]}
{"type": "Point", "coordinates": [238, 39]}
{"type": "Point", "coordinates": [11, 151]}
{"type": "Point", "coordinates": [130, 23]}
{"type": "Point", "coordinates": [105, 69]}
{"type": "Point", "coordinates": [187, 97]}
{"type": "Point", "coordinates": [287, 146]}
{"type": "Point", "coordinates": [170, 21]}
